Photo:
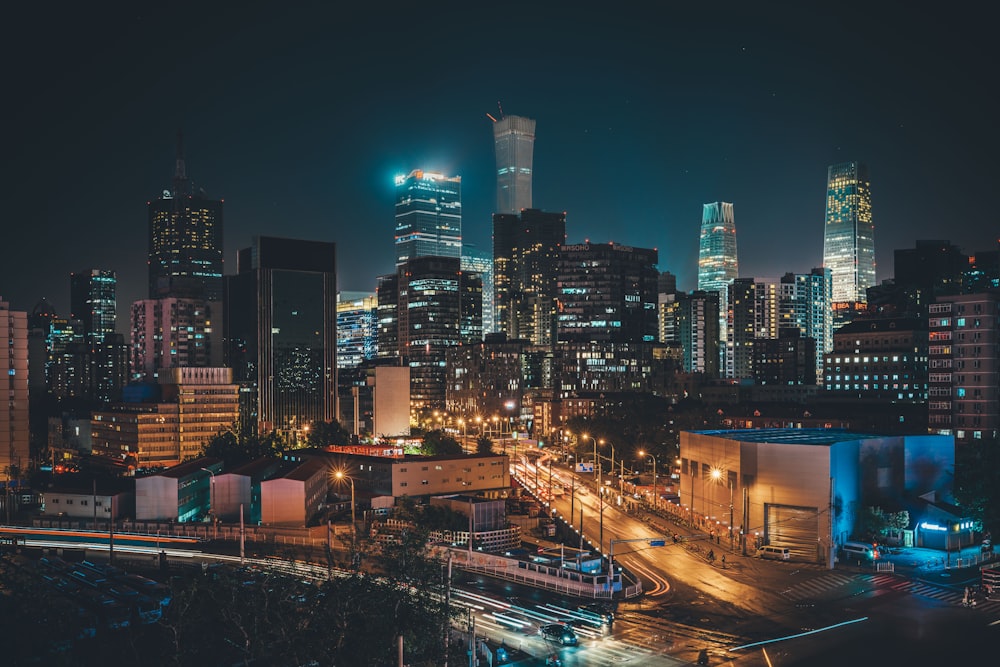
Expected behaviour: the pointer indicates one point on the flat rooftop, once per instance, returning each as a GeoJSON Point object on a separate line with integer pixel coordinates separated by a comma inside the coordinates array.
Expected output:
{"type": "Point", "coordinates": [792, 436]}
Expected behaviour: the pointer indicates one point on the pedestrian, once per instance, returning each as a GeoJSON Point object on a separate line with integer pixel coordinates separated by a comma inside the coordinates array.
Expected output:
{"type": "Point", "coordinates": [723, 561]}
{"type": "Point", "coordinates": [965, 597]}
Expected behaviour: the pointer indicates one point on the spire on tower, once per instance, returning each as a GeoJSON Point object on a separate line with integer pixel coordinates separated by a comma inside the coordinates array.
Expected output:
{"type": "Point", "coordinates": [179, 170]}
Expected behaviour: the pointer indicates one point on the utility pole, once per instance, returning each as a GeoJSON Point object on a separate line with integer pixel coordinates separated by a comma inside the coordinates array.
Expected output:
{"type": "Point", "coordinates": [242, 536]}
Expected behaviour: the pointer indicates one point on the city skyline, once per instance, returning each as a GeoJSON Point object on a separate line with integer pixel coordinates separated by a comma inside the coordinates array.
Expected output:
{"type": "Point", "coordinates": [299, 123]}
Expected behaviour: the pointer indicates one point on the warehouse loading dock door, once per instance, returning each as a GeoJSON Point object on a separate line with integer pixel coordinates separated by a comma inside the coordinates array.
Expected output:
{"type": "Point", "coordinates": [794, 527]}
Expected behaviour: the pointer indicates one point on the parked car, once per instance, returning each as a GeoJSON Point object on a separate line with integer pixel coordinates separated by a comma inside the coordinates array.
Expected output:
{"type": "Point", "coordinates": [559, 632]}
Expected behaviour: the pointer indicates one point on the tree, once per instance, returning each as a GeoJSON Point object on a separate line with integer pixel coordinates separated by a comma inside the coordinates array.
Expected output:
{"type": "Point", "coordinates": [977, 482]}
{"type": "Point", "coordinates": [484, 445]}
{"type": "Point", "coordinates": [322, 434]}
{"type": "Point", "coordinates": [236, 449]}
{"type": "Point", "coordinates": [438, 443]}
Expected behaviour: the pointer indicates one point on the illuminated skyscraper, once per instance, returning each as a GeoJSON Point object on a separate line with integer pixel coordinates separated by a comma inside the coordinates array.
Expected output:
{"type": "Point", "coordinates": [173, 333]}
{"type": "Point", "coordinates": [281, 333]}
{"type": "Point", "coordinates": [514, 140]}
{"type": "Point", "coordinates": [718, 266]}
{"type": "Point", "coordinates": [426, 307]}
{"type": "Point", "coordinates": [14, 430]}
{"type": "Point", "coordinates": [428, 216]}
{"type": "Point", "coordinates": [478, 261]}
{"type": "Point", "coordinates": [185, 241]}
{"type": "Point", "coordinates": [849, 234]}
{"type": "Point", "coordinates": [607, 292]}
{"type": "Point", "coordinates": [525, 249]}
{"type": "Point", "coordinates": [804, 305]}
{"type": "Point", "coordinates": [356, 328]}
{"type": "Point", "coordinates": [92, 301]}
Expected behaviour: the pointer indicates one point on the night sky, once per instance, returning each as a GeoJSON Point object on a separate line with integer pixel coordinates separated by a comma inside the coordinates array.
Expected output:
{"type": "Point", "coordinates": [298, 115]}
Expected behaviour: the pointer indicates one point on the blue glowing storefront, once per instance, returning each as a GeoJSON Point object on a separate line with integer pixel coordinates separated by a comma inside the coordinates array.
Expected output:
{"type": "Point", "coordinates": [937, 530]}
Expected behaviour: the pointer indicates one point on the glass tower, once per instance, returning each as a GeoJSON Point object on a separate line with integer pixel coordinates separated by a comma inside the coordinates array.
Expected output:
{"type": "Point", "coordinates": [92, 301]}
{"type": "Point", "coordinates": [428, 216]}
{"type": "Point", "coordinates": [514, 140]}
{"type": "Point", "coordinates": [185, 241]}
{"type": "Point", "coordinates": [281, 333]}
{"type": "Point", "coordinates": [717, 267]}
{"type": "Point", "coordinates": [525, 250]}
{"type": "Point", "coordinates": [481, 262]}
{"type": "Point", "coordinates": [849, 235]}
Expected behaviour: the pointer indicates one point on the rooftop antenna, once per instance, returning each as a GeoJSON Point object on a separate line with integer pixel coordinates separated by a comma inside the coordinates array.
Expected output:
{"type": "Point", "coordinates": [179, 169]}
{"type": "Point", "coordinates": [500, 106]}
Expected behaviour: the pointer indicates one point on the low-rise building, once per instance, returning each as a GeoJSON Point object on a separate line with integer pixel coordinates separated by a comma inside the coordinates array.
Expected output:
{"type": "Point", "coordinates": [804, 488]}
{"type": "Point", "coordinates": [181, 493]}
{"type": "Point", "coordinates": [296, 496]}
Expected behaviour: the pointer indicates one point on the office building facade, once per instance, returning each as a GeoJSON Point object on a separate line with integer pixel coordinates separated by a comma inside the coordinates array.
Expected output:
{"type": "Point", "coordinates": [606, 292]}
{"type": "Point", "coordinates": [849, 234]}
{"type": "Point", "coordinates": [92, 301]}
{"type": "Point", "coordinates": [15, 454]}
{"type": "Point", "coordinates": [357, 331]}
{"type": "Point", "coordinates": [281, 333]}
{"type": "Point", "coordinates": [804, 304]}
{"type": "Point", "coordinates": [698, 331]}
{"type": "Point", "coordinates": [429, 306]}
{"type": "Point", "coordinates": [428, 216]}
{"type": "Point", "coordinates": [964, 372]}
{"type": "Point", "coordinates": [525, 249]}
{"type": "Point", "coordinates": [879, 360]}
{"type": "Point", "coordinates": [185, 241]}
{"type": "Point", "coordinates": [514, 144]}
{"type": "Point", "coordinates": [478, 261]}
{"type": "Point", "coordinates": [718, 266]}
{"type": "Point", "coordinates": [173, 332]}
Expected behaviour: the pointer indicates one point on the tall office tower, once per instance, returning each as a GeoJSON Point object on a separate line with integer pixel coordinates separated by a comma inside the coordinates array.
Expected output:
{"type": "Point", "coordinates": [718, 266]}
{"type": "Point", "coordinates": [606, 292]}
{"type": "Point", "coordinates": [15, 453]}
{"type": "Point", "coordinates": [281, 333]}
{"type": "Point", "coordinates": [478, 261]}
{"type": "Point", "coordinates": [849, 237]}
{"type": "Point", "coordinates": [173, 332]}
{"type": "Point", "coordinates": [387, 317]}
{"type": "Point", "coordinates": [92, 301]}
{"type": "Point", "coordinates": [698, 331]}
{"type": "Point", "coordinates": [525, 248]}
{"type": "Point", "coordinates": [436, 306]}
{"type": "Point", "coordinates": [428, 216]}
{"type": "Point", "coordinates": [753, 303]}
{"type": "Point", "coordinates": [514, 140]}
{"type": "Point", "coordinates": [964, 375]}
{"type": "Point", "coordinates": [185, 240]}
{"type": "Point", "coordinates": [357, 329]}
{"type": "Point", "coordinates": [804, 304]}
{"type": "Point", "coordinates": [741, 331]}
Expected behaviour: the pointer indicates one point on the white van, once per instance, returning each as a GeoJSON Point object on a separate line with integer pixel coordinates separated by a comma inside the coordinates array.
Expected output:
{"type": "Point", "coordinates": [859, 551]}
{"type": "Point", "coordinates": [774, 553]}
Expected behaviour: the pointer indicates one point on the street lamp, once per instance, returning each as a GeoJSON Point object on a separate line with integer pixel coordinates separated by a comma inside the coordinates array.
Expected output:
{"type": "Point", "coordinates": [612, 445]}
{"type": "Point", "coordinates": [717, 475]}
{"type": "Point", "coordinates": [341, 476]}
{"type": "Point", "coordinates": [597, 475]}
{"type": "Point", "coordinates": [655, 497]}
{"type": "Point", "coordinates": [211, 504]}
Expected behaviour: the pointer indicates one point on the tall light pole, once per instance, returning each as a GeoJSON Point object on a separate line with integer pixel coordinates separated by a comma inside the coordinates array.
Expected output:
{"type": "Point", "coordinates": [341, 476]}
{"type": "Point", "coordinates": [211, 504]}
{"type": "Point", "coordinates": [650, 456]}
{"type": "Point", "coordinates": [597, 475]}
{"type": "Point", "coordinates": [612, 445]}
